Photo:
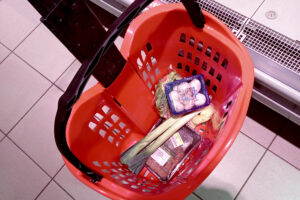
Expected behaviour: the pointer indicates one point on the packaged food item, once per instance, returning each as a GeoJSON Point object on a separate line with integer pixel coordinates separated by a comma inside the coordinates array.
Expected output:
{"type": "Point", "coordinates": [187, 94]}
{"type": "Point", "coordinates": [166, 160]}
{"type": "Point", "coordinates": [161, 101]}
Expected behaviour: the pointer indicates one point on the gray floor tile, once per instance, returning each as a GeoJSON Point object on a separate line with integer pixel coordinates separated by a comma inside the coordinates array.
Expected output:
{"type": "Point", "coordinates": [257, 132]}
{"type": "Point", "coordinates": [20, 88]}
{"type": "Point", "coordinates": [20, 178]}
{"type": "Point", "coordinates": [229, 176]}
{"type": "Point", "coordinates": [17, 20]}
{"type": "Point", "coordinates": [3, 52]}
{"type": "Point", "coordinates": [273, 179]}
{"type": "Point", "coordinates": [287, 17]}
{"type": "Point", "coordinates": [53, 192]}
{"type": "Point", "coordinates": [244, 7]}
{"type": "Point", "coordinates": [45, 53]}
{"type": "Point", "coordinates": [35, 133]}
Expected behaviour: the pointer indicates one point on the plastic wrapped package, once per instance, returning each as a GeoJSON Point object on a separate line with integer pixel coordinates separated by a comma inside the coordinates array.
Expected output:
{"type": "Point", "coordinates": [166, 160]}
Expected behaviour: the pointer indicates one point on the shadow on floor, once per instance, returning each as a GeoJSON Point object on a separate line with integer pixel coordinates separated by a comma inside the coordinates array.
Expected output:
{"type": "Point", "coordinates": [213, 194]}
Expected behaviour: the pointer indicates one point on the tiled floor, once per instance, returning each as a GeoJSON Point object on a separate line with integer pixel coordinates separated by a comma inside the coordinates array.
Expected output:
{"type": "Point", "coordinates": [35, 69]}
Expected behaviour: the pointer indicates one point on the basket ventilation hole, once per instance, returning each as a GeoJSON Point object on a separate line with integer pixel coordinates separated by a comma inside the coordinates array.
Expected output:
{"type": "Point", "coordinates": [105, 109]}
{"type": "Point", "coordinates": [149, 85]}
{"type": "Point", "coordinates": [106, 163]}
{"type": "Point", "coordinates": [198, 161]}
{"type": "Point", "coordinates": [197, 60]}
{"type": "Point", "coordinates": [115, 118]}
{"type": "Point", "coordinates": [116, 131]}
{"type": "Point", "coordinates": [228, 104]}
{"type": "Point", "coordinates": [207, 82]}
{"type": "Point", "coordinates": [200, 46]}
{"type": "Point", "coordinates": [187, 68]}
{"type": "Point", "coordinates": [110, 139]}
{"type": "Point", "coordinates": [219, 77]}
{"type": "Point", "coordinates": [102, 132]}
{"type": "Point", "coordinates": [148, 67]}
{"type": "Point", "coordinates": [130, 180]}
{"type": "Point", "coordinates": [146, 173]}
{"type": "Point", "coordinates": [98, 117]}
{"type": "Point", "coordinates": [105, 170]}
{"type": "Point", "coordinates": [143, 54]}
{"type": "Point", "coordinates": [192, 41]}
{"type": "Point", "coordinates": [139, 62]}
{"type": "Point", "coordinates": [114, 164]}
{"type": "Point", "coordinates": [157, 71]}
{"type": "Point", "coordinates": [150, 187]}
{"type": "Point", "coordinates": [201, 130]}
{"type": "Point", "coordinates": [153, 60]}
{"type": "Point", "coordinates": [127, 130]}
{"type": "Point", "coordinates": [145, 75]}
{"type": "Point", "coordinates": [182, 37]}
{"type": "Point", "coordinates": [225, 63]}
{"type": "Point", "coordinates": [107, 124]}
{"type": "Point", "coordinates": [214, 88]}
{"type": "Point", "coordinates": [204, 66]}
{"type": "Point", "coordinates": [121, 170]}
{"type": "Point", "coordinates": [225, 115]}
{"type": "Point", "coordinates": [122, 125]}
{"type": "Point", "coordinates": [181, 53]}
{"type": "Point", "coordinates": [124, 182]}
{"type": "Point", "coordinates": [216, 57]}
{"type": "Point", "coordinates": [134, 186]}
{"type": "Point", "coordinates": [189, 56]}
{"type": "Point", "coordinates": [152, 79]}
{"type": "Point", "coordinates": [122, 136]}
{"type": "Point", "coordinates": [92, 125]}
{"type": "Point", "coordinates": [145, 190]}
{"type": "Point", "coordinates": [113, 170]}
{"type": "Point", "coordinates": [149, 47]}
{"type": "Point", "coordinates": [194, 72]}
{"type": "Point", "coordinates": [208, 51]}
{"type": "Point", "coordinates": [114, 176]}
{"type": "Point", "coordinates": [117, 143]}
{"type": "Point", "coordinates": [212, 71]}
{"type": "Point", "coordinates": [179, 65]}
{"type": "Point", "coordinates": [190, 171]}
{"type": "Point", "coordinates": [96, 163]}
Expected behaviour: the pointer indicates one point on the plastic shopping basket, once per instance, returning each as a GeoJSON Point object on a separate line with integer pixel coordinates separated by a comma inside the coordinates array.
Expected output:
{"type": "Point", "coordinates": [92, 131]}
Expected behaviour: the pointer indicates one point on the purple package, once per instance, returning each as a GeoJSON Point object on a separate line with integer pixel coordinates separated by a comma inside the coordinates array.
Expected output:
{"type": "Point", "coordinates": [187, 94]}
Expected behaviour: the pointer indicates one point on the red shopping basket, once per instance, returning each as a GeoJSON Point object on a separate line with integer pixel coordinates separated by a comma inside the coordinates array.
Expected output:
{"type": "Point", "coordinates": [92, 131]}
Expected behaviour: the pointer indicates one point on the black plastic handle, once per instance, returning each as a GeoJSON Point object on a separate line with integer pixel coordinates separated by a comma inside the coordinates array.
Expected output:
{"type": "Point", "coordinates": [79, 81]}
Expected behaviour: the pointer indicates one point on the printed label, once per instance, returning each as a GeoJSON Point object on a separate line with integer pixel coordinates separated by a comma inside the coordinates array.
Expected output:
{"type": "Point", "coordinates": [161, 156]}
{"type": "Point", "coordinates": [176, 140]}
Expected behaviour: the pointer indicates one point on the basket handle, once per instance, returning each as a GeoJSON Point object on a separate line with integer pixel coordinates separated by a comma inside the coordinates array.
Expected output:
{"type": "Point", "coordinates": [74, 90]}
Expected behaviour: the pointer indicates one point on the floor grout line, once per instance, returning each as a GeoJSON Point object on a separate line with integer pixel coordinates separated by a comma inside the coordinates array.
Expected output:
{"type": "Point", "coordinates": [44, 76]}
{"type": "Point", "coordinates": [266, 150]}
{"type": "Point", "coordinates": [11, 51]}
{"type": "Point", "coordinates": [28, 156]}
{"type": "Point", "coordinates": [254, 140]}
{"type": "Point", "coordinates": [62, 186]}
{"type": "Point", "coordinates": [197, 196]}
{"type": "Point", "coordinates": [257, 9]}
{"type": "Point", "coordinates": [43, 94]}
{"type": "Point", "coordinates": [52, 179]}
{"type": "Point", "coordinates": [284, 159]}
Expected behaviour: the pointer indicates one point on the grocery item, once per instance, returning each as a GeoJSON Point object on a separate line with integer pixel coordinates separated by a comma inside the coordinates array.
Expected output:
{"type": "Point", "coordinates": [166, 160]}
{"type": "Point", "coordinates": [187, 95]}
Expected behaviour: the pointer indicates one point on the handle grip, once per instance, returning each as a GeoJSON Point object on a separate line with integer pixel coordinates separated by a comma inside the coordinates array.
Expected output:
{"type": "Point", "coordinates": [79, 81]}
